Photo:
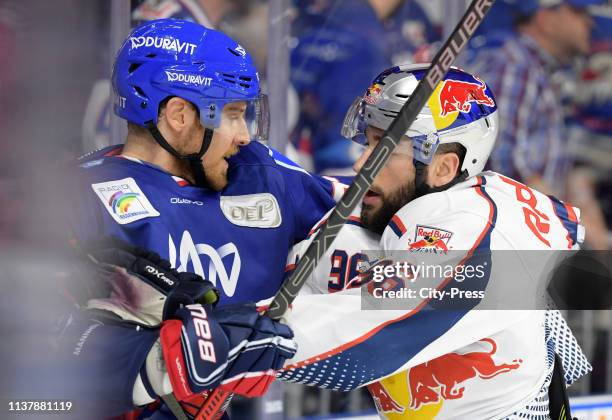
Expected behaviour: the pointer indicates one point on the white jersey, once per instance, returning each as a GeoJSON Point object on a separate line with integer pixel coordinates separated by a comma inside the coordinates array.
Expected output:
{"type": "Point", "coordinates": [424, 363]}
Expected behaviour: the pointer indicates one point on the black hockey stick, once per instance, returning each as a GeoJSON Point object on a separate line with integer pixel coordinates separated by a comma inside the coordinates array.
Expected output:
{"type": "Point", "coordinates": [217, 401]}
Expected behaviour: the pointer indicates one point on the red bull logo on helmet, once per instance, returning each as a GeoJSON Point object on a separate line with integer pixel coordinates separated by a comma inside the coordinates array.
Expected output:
{"type": "Point", "coordinates": [373, 94]}
{"type": "Point", "coordinates": [457, 96]}
{"type": "Point", "coordinates": [453, 97]}
{"type": "Point", "coordinates": [430, 239]}
{"type": "Point", "coordinates": [444, 378]}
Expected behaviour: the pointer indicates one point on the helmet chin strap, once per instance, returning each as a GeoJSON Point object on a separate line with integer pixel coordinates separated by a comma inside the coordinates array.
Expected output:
{"type": "Point", "coordinates": [420, 180]}
{"type": "Point", "coordinates": [193, 159]}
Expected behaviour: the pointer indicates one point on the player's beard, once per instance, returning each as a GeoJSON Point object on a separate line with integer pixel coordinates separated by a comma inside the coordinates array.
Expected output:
{"type": "Point", "coordinates": [216, 174]}
{"type": "Point", "coordinates": [377, 220]}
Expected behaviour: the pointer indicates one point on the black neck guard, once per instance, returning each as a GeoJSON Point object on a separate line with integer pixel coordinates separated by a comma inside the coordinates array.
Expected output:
{"type": "Point", "coordinates": [194, 159]}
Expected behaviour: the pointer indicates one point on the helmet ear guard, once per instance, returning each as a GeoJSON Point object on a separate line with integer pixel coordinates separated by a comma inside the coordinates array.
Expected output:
{"type": "Point", "coordinates": [478, 139]}
{"type": "Point", "coordinates": [461, 110]}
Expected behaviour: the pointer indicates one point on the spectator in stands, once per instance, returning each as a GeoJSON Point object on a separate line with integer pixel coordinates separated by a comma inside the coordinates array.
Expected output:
{"type": "Point", "coordinates": [525, 73]}
{"type": "Point", "coordinates": [592, 111]}
{"type": "Point", "coordinates": [341, 46]}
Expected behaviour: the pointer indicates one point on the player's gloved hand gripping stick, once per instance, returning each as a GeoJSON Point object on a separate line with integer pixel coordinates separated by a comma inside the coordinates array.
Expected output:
{"type": "Point", "coordinates": [204, 347]}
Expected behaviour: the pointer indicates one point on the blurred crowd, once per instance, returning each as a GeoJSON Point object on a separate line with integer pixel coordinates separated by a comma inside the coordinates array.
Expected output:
{"type": "Point", "coordinates": [549, 62]}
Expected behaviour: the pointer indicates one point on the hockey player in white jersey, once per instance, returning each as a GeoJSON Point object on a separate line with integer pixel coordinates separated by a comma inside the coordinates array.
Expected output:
{"type": "Point", "coordinates": [432, 199]}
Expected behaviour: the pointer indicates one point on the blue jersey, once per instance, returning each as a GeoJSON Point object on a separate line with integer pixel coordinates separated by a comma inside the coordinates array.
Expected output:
{"type": "Point", "coordinates": [238, 238]}
{"type": "Point", "coordinates": [219, 235]}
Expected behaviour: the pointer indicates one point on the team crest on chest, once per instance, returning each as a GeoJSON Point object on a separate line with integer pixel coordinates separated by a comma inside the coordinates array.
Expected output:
{"type": "Point", "coordinates": [124, 200]}
{"type": "Point", "coordinates": [252, 210]}
{"type": "Point", "coordinates": [430, 239]}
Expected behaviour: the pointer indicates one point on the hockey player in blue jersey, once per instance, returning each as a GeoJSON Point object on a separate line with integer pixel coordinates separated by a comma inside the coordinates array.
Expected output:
{"type": "Point", "coordinates": [190, 184]}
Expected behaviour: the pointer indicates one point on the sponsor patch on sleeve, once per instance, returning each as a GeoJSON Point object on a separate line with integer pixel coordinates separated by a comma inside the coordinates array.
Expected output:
{"type": "Point", "coordinates": [430, 239]}
{"type": "Point", "coordinates": [124, 200]}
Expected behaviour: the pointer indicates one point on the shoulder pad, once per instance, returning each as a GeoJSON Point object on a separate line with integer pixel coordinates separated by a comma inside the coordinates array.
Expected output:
{"type": "Point", "coordinates": [96, 157]}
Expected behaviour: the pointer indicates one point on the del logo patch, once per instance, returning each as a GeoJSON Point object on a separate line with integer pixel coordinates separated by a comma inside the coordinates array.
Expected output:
{"type": "Point", "coordinates": [252, 210]}
{"type": "Point", "coordinates": [430, 239]}
{"type": "Point", "coordinates": [124, 200]}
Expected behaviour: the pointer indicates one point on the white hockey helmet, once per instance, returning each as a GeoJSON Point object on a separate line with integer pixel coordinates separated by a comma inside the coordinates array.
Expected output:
{"type": "Point", "coordinates": [461, 110]}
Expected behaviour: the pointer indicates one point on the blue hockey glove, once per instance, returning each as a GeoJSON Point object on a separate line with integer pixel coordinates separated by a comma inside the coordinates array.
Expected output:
{"type": "Point", "coordinates": [232, 347]}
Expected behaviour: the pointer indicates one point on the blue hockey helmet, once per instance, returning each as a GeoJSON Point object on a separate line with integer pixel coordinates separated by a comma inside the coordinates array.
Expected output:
{"type": "Point", "coordinates": [170, 57]}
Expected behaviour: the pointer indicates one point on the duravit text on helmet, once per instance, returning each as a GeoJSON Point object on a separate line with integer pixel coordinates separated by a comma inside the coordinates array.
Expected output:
{"type": "Point", "coordinates": [164, 43]}
{"type": "Point", "coordinates": [195, 79]}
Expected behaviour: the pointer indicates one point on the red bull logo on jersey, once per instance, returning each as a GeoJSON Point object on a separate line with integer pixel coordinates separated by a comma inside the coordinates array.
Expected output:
{"type": "Point", "coordinates": [373, 94]}
{"type": "Point", "coordinates": [430, 239]}
{"type": "Point", "coordinates": [392, 399]}
{"type": "Point", "coordinates": [457, 96]}
{"type": "Point", "coordinates": [444, 378]}
{"type": "Point", "coordinates": [383, 400]}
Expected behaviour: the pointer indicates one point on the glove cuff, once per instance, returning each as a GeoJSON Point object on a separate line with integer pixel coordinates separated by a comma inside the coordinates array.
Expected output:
{"type": "Point", "coordinates": [170, 338]}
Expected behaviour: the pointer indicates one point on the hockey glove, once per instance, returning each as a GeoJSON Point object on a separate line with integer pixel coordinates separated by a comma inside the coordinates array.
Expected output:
{"type": "Point", "coordinates": [143, 287]}
{"type": "Point", "coordinates": [232, 347]}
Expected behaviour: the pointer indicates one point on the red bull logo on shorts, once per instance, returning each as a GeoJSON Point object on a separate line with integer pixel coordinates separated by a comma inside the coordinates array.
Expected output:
{"type": "Point", "coordinates": [430, 239]}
